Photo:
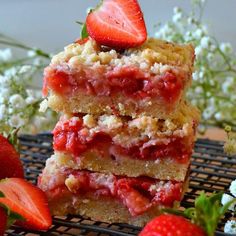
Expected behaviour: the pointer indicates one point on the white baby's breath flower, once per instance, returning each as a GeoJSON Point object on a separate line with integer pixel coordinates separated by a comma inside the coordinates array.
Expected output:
{"type": "Point", "coordinates": [16, 121]}
{"type": "Point", "coordinates": [177, 17]}
{"type": "Point", "coordinates": [3, 111]}
{"type": "Point", "coordinates": [232, 188]}
{"type": "Point", "coordinates": [37, 61]}
{"type": "Point", "coordinates": [177, 10]}
{"type": "Point", "coordinates": [17, 101]}
{"type": "Point", "coordinates": [25, 69]}
{"type": "Point", "coordinates": [219, 116]}
{"type": "Point", "coordinates": [164, 31]}
{"type": "Point", "coordinates": [10, 110]}
{"type": "Point", "coordinates": [190, 20]}
{"type": "Point", "coordinates": [4, 92]}
{"type": "Point", "coordinates": [230, 227]}
{"type": "Point", "coordinates": [2, 100]}
{"type": "Point", "coordinates": [188, 36]}
{"type": "Point", "coordinates": [11, 72]}
{"type": "Point", "coordinates": [5, 79]}
{"type": "Point", "coordinates": [207, 113]}
{"type": "Point", "coordinates": [195, 76]}
{"type": "Point", "coordinates": [199, 51]}
{"type": "Point", "coordinates": [31, 100]}
{"type": "Point", "coordinates": [31, 53]}
{"type": "Point", "coordinates": [227, 198]}
{"type": "Point", "coordinates": [205, 42]}
{"type": "Point", "coordinates": [226, 47]}
{"type": "Point", "coordinates": [202, 74]}
{"type": "Point", "coordinates": [198, 34]}
{"type": "Point", "coordinates": [210, 56]}
{"type": "Point", "coordinates": [212, 48]}
{"type": "Point", "coordinates": [5, 54]}
{"type": "Point", "coordinates": [227, 86]}
{"type": "Point", "coordinates": [198, 90]}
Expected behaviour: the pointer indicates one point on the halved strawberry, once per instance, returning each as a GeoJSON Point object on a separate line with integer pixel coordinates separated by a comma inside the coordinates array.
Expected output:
{"type": "Point", "coordinates": [10, 164]}
{"type": "Point", "coordinates": [27, 200]}
{"type": "Point", "coordinates": [117, 24]}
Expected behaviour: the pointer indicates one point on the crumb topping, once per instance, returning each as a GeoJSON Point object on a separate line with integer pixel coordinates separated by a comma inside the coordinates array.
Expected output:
{"type": "Point", "coordinates": [153, 56]}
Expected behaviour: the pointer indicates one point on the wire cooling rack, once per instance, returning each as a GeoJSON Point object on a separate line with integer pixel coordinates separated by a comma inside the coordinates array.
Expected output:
{"type": "Point", "coordinates": [212, 170]}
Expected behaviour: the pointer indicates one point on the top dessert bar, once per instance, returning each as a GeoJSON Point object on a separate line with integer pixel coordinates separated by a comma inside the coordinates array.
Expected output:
{"type": "Point", "coordinates": [147, 80]}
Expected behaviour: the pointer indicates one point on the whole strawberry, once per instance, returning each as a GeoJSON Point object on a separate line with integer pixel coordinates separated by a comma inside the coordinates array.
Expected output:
{"type": "Point", "coordinates": [10, 164]}
{"type": "Point", "coordinates": [3, 221]}
{"type": "Point", "coordinates": [171, 225]}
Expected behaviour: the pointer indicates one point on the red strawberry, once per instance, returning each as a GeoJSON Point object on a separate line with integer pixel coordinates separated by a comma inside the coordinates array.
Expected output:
{"type": "Point", "coordinates": [27, 200]}
{"type": "Point", "coordinates": [171, 225]}
{"type": "Point", "coordinates": [3, 221]}
{"type": "Point", "coordinates": [11, 165]}
{"type": "Point", "coordinates": [117, 24]}
{"type": "Point", "coordinates": [131, 198]}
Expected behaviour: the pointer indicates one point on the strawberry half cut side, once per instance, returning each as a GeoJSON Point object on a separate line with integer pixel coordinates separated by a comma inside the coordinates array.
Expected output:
{"type": "Point", "coordinates": [117, 24]}
{"type": "Point", "coordinates": [28, 201]}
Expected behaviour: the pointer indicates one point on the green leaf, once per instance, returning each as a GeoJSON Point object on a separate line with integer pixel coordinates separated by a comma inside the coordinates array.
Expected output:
{"type": "Point", "coordinates": [173, 211]}
{"type": "Point", "coordinates": [2, 194]}
{"type": "Point", "coordinates": [84, 33]}
{"type": "Point", "coordinates": [13, 138]}
{"type": "Point", "coordinates": [13, 217]}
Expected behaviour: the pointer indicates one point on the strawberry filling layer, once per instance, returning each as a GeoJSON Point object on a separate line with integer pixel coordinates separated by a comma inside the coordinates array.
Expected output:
{"type": "Point", "coordinates": [74, 138]}
{"type": "Point", "coordinates": [137, 194]}
{"type": "Point", "coordinates": [130, 81]}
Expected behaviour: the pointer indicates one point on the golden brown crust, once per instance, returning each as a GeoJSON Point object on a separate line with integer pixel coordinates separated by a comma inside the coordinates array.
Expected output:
{"type": "Point", "coordinates": [82, 103]}
{"type": "Point", "coordinates": [163, 169]}
{"type": "Point", "coordinates": [104, 209]}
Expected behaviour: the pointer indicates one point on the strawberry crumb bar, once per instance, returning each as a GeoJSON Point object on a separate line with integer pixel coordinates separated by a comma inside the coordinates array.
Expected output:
{"type": "Point", "coordinates": [147, 80]}
{"type": "Point", "coordinates": [123, 144]}
{"type": "Point", "coordinates": [107, 197]}
{"type": "Point", "coordinates": [143, 146]}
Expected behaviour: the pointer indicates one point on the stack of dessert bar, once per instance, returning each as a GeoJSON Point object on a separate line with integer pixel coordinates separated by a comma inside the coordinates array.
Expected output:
{"type": "Point", "coordinates": [126, 133]}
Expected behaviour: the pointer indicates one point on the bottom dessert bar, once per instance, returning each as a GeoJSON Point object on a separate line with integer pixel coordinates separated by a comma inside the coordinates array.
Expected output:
{"type": "Point", "coordinates": [102, 209]}
{"type": "Point", "coordinates": [107, 197]}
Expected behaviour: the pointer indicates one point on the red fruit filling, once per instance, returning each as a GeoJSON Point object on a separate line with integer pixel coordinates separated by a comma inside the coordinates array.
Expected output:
{"type": "Point", "coordinates": [137, 194]}
{"type": "Point", "coordinates": [72, 137]}
{"type": "Point", "coordinates": [130, 81]}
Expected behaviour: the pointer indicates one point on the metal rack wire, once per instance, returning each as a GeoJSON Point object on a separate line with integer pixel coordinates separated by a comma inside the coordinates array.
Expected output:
{"type": "Point", "coordinates": [212, 170]}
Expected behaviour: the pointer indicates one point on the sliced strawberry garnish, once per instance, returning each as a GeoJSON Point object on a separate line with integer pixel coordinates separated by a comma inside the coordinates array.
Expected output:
{"type": "Point", "coordinates": [10, 164]}
{"type": "Point", "coordinates": [27, 200]}
{"type": "Point", "coordinates": [3, 221]}
{"type": "Point", "coordinates": [117, 24]}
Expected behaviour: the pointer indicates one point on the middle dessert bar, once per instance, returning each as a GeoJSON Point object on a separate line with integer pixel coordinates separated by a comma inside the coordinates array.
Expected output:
{"type": "Point", "coordinates": [143, 146]}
